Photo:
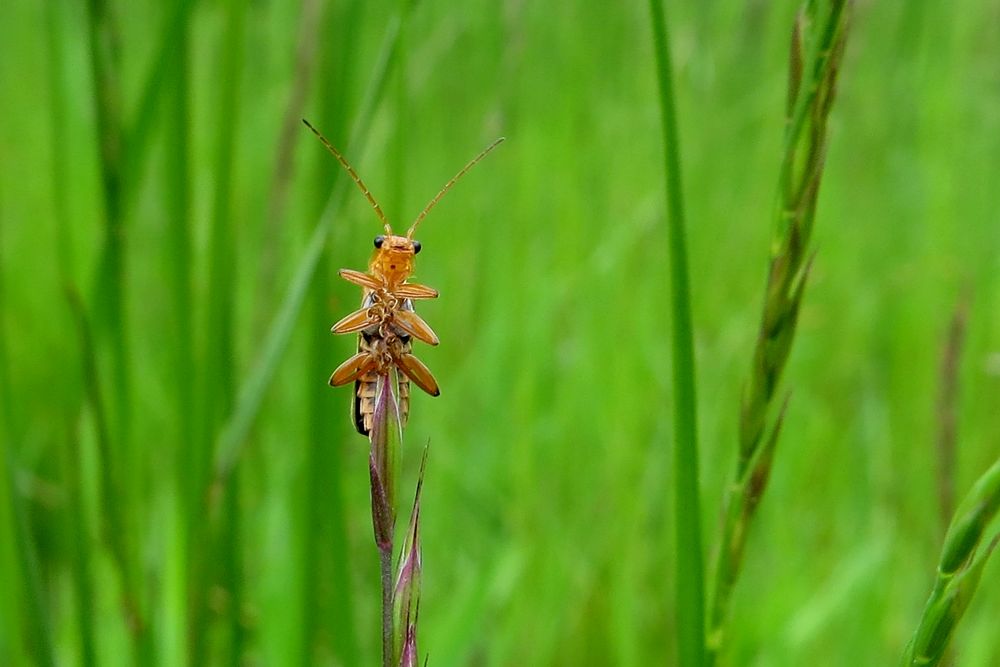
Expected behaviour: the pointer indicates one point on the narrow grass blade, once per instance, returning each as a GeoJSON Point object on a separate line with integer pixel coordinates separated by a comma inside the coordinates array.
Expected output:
{"type": "Point", "coordinates": [156, 87]}
{"type": "Point", "coordinates": [14, 529]}
{"type": "Point", "coordinates": [232, 568]}
{"type": "Point", "coordinates": [327, 563]}
{"type": "Point", "coordinates": [327, 594]}
{"type": "Point", "coordinates": [687, 511]}
{"type": "Point", "coordinates": [10, 542]}
{"type": "Point", "coordinates": [291, 126]}
{"type": "Point", "coordinates": [179, 242]}
{"type": "Point", "coordinates": [113, 529]}
{"type": "Point", "coordinates": [109, 292]}
{"type": "Point", "coordinates": [214, 550]}
{"type": "Point", "coordinates": [12, 616]}
{"type": "Point", "coordinates": [75, 525]}
{"type": "Point", "coordinates": [54, 22]}
{"type": "Point", "coordinates": [179, 282]}
{"type": "Point", "coordinates": [110, 321]}
{"type": "Point", "coordinates": [76, 529]}
{"type": "Point", "coordinates": [41, 645]}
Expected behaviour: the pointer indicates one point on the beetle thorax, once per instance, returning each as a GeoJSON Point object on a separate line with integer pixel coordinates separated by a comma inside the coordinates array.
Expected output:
{"type": "Point", "coordinates": [393, 261]}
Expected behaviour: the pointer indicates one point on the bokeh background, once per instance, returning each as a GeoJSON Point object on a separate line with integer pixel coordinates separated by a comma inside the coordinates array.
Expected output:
{"type": "Point", "coordinates": [179, 484]}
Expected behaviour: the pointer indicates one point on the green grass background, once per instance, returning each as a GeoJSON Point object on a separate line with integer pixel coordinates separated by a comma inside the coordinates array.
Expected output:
{"type": "Point", "coordinates": [546, 522]}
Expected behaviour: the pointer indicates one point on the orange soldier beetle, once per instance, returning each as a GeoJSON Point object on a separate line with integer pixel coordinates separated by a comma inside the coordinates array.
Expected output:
{"type": "Point", "coordinates": [386, 321]}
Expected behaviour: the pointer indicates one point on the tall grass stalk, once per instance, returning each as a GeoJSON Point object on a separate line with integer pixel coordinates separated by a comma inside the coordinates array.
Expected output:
{"type": "Point", "coordinates": [139, 134]}
{"type": "Point", "coordinates": [231, 568]}
{"type": "Point", "coordinates": [687, 513]}
{"type": "Point", "coordinates": [10, 618]}
{"type": "Point", "coordinates": [110, 495]}
{"type": "Point", "coordinates": [323, 504]}
{"type": "Point", "coordinates": [963, 557]}
{"type": "Point", "coordinates": [14, 622]}
{"type": "Point", "coordinates": [213, 550]}
{"type": "Point", "coordinates": [179, 261]}
{"type": "Point", "coordinates": [123, 470]}
{"type": "Point", "coordinates": [40, 643]}
{"type": "Point", "coordinates": [179, 256]}
{"type": "Point", "coordinates": [311, 23]}
{"type": "Point", "coordinates": [219, 377]}
{"type": "Point", "coordinates": [325, 547]}
{"type": "Point", "coordinates": [109, 293]}
{"type": "Point", "coordinates": [76, 526]}
{"type": "Point", "coordinates": [401, 121]}
{"type": "Point", "coordinates": [22, 576]}
{"type": "Point", "coordinates": [816, 49]}
{"type": "Point", "coordinates": [77, 537]}
{"type": "Point", "coordinates": [56, 53]}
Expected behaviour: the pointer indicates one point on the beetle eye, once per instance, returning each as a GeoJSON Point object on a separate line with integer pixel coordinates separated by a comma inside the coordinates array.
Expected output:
{"type": "Point", "coordinates": [416, 247]}
{"type": "Point", "coordinates": [378, 241]}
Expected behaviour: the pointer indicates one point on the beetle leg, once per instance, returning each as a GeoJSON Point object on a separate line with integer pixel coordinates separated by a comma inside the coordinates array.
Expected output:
{"type": "Point", "coordinates": [414, 325]}
{"type": "Point", "coordinates": [361, 278]}
{"type": "Point", "coordinates": [356, 321]}
{"type": "Point", "coordinates": [415, 291]}
{"type": "Point", "coordinates": [352, 369]}
{"type": "Point", "coordinates": [418, 373]}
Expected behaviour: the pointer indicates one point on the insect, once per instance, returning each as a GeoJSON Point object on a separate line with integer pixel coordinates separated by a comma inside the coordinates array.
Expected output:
{"type": "Point", "coordinates": [387, 323]}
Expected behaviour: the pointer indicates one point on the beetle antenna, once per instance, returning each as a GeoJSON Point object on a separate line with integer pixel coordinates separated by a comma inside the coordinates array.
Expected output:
{"type": "Point", "coordinates": [447, 186]}
{"type": "Point", "coordinates": [357, 179]}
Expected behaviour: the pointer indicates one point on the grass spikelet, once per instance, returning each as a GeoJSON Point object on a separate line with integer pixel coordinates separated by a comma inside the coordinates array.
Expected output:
{"type": "Point", "coordinates": [407, 592]}
{"type": "Point", "coordinates": [961, 565]}
{"type": "Point", "coordinates": [385, 438]}
{"type": "Point", "coordinates": [816, 48]}
{"type": "Point", "coordinates": [400, 598]}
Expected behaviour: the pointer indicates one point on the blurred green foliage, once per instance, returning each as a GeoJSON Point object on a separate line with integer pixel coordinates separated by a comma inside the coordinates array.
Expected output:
{"type": "Point", "coordinates": [546, 531]}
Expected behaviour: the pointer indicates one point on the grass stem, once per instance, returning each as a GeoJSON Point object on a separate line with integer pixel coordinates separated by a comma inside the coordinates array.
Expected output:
{"type": "Point", "coordinates": [110, 495]}
{"type": "Point", "coordinates": [41, 643]}
{"type": "Point", "coordinates": [212, 547]}
{"type": "Point", "coordinates": [687, 512]}
{"type": "Point", "coordinates": [388, 632]}
{"type": "Point", "coordinates": [328, 559]}
{"type": "Point", "coordinates": [14, 527]}
{"type": "Point", "coordinates": [109, 294]}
